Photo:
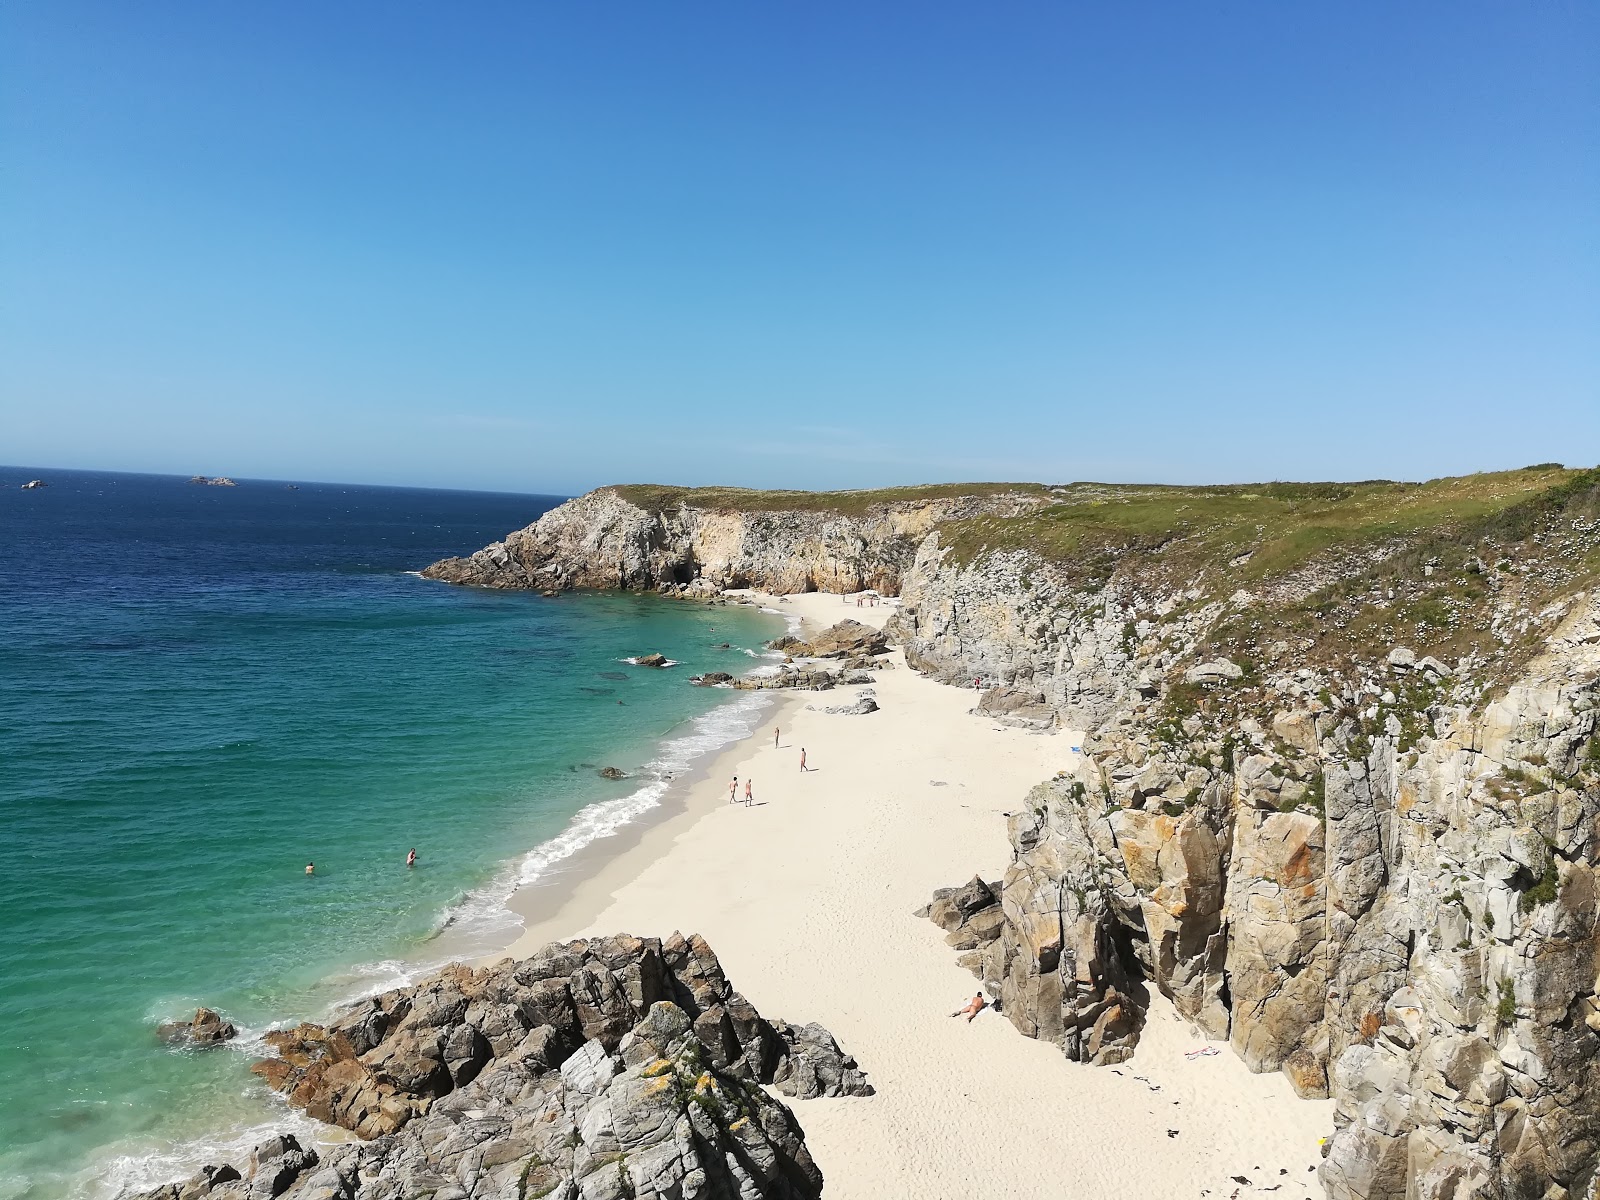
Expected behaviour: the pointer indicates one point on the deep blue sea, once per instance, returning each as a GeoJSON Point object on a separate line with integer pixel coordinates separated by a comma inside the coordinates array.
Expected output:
{"type": "Point", "coordinates": [204, 688]}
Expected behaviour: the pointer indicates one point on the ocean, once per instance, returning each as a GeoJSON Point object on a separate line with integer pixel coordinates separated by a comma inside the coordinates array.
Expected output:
{"type": "Point", "coordinates": [202, 689]}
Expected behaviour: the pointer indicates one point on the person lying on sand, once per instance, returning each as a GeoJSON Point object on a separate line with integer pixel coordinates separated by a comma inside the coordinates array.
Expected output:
{"type": "Point", "coordinates": [972, 1008]}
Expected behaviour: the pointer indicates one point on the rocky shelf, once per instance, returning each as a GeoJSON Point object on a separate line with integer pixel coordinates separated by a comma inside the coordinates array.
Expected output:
{"type": "Point", "coordinates": [602, 1069]}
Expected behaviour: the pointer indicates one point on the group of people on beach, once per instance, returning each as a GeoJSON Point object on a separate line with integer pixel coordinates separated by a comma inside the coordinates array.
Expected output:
{"type": "Point", "coordinates": [749, 798]}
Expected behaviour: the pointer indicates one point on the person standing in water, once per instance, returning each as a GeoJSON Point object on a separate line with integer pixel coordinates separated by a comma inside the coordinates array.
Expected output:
{"type": "Point", "coordinates": [411, 857]}
{"type": "Point", "coordinates": [311, 868]}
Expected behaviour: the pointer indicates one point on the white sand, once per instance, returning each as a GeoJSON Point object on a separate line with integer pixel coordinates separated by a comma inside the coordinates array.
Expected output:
{"type": "Point", "coordinates": [808, 899]}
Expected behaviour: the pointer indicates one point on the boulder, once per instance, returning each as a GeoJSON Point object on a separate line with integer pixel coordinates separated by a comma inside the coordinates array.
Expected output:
{"type": "Point", "coordinates": [612, 773]}
{"type": "Point", "coordinates": [813, 1065]}
{"type": "Point", "coordinates": [802, 679]}
{"type": "Point", "coordinates": [206, 1028]}
{"type": "Point", "coordinates": [1221, 670]}
{"type": "Point", "coordinates": [711, 679]}
{"type": "Point", "coordinates": [849, 638]}
{"type": "Point", "coordinates": [1017, 707]}
{"type": "Point", "coordinates": [649, 660]}
{"type": "Point", "coordinates": [863, 704]}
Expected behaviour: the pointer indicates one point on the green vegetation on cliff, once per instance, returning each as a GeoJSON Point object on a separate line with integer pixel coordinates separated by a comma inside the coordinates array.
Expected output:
{"type": "Point", "coordinates": [655, 497]}
{"type": "Point", "coordinates": [1280, 526]}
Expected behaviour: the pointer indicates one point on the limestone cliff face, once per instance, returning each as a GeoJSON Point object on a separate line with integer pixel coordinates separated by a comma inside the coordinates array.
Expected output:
{"type": "Point", "coordinates": [1381, 884]}
{"type": "Point", "coordinates": [602, 540]}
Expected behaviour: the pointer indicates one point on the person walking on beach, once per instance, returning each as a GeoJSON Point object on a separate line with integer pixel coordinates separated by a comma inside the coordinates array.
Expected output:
{"type": "Point", "coordinates": [748, 799]}
{"type": "Point", "coordinates": [803, 758]}
{"type": "Point", "coordinates": [311, 868]}
{"type": "Point", "coordinates": [733, 791]}
{"type": "Point", "coordinates": [774, 737]}
{"type": "Point", "coordinates": [411, 857]}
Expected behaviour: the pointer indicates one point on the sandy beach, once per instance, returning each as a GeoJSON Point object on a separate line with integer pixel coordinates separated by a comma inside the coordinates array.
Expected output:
{"type": "Point", "coordinates": [808, 898]}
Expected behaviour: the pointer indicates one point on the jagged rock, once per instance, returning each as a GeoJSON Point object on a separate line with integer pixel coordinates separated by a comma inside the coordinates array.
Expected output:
{"type": "Point", "coordinates": [1276, 929]}
{"type": "Point", "coordinates": [863, 704]}
{"type": "Point", "coordinates": [603, 1068]}
{"type": "Point", "coordinates": [804, 679]}
{"type": "Point", "coordinates": [711, 679]}
{"type": "Point", "coordinates": [274, 1167]}
{"type": "Point", "coordinates": [849, 638]}
{"type": "Point", "coordinates": [649, 660]}
{"type": "Point", "coordinates": [205, 1029]}
{"type": "Point", "coordinates": [813, 1065]}
{"type": "Point", "coordinates": [612, 773]}
{"type": "Point", "coordinates": [1018, 707]}
{"type": "Point", "coordinates": [605, 540]}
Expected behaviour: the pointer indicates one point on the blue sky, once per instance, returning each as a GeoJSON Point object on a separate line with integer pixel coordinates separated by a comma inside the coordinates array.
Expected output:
{"type": "Point", "coordinates": [545, 246]}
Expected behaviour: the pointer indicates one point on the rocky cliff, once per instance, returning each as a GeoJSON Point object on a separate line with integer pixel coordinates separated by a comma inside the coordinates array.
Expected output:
{"type": "Point", "coordinates": [602, 1069]}
{"type": "Point", "coordinates": [1339, 790]}
{"type": "Point", "coordinates": [1343, 814]}
{"type": "Point", "coordinates": [707, 539]}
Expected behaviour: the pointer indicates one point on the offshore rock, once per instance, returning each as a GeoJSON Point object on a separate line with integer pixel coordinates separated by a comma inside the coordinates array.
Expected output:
{"type": "Point", "coordinates": [617, 1067]}
{"type": "Point", "coordinates": [205, 1029]}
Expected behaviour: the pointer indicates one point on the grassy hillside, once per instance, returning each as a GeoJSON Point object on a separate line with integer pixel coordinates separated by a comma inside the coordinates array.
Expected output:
{"type": "Point", "coordinates": [1281, 526]}
{"type": "Point", "coordinates": [655, 497]}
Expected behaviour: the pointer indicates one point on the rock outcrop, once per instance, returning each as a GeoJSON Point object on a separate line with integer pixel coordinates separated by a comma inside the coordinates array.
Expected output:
{"type": "Point", "coordinates": [607, 540]}
{"type": "Point", "coordinates": [618, 1067]}
{"type": "Point", "coordinates": [847, 639]}
{"type": "Point", "coordinates": [864, 703]}
{"type": "Point", "coordinates": [1375, 874]}
{"type": "Point", "coordinates": [206, 1028]}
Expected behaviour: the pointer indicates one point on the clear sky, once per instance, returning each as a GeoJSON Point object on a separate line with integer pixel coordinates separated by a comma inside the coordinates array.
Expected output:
{"type": "Point", "coordinates": [542, 246]}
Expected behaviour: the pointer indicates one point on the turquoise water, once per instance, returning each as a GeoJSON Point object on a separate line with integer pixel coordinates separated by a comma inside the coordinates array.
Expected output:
{"type": "Point", "coordinates": [202, 689]}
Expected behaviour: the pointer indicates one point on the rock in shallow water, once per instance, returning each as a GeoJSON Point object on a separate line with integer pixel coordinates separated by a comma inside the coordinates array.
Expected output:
{"type": "Point", "coordinates": [205, 1029]}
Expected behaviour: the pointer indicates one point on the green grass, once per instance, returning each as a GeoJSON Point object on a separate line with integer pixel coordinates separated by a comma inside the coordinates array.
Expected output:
{"type": "Point", "coordinates": [1280, 525]}
{"type": "Point", "coordinates": [654, 497]}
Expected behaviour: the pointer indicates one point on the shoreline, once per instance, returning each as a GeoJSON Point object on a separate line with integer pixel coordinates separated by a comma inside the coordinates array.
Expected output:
{"type": "Point", "coordinates": [587, 875]}
{"type": "Point", "coordinates": [605, 865]}
{"type": "Point", "coordinates": [808, 899]}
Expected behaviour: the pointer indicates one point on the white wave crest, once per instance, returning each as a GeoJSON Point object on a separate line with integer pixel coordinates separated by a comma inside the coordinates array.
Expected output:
{"type": "Point", "coordinates": [707, 734]}
{"type": "Point", "coordinates": [137, 1168]}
